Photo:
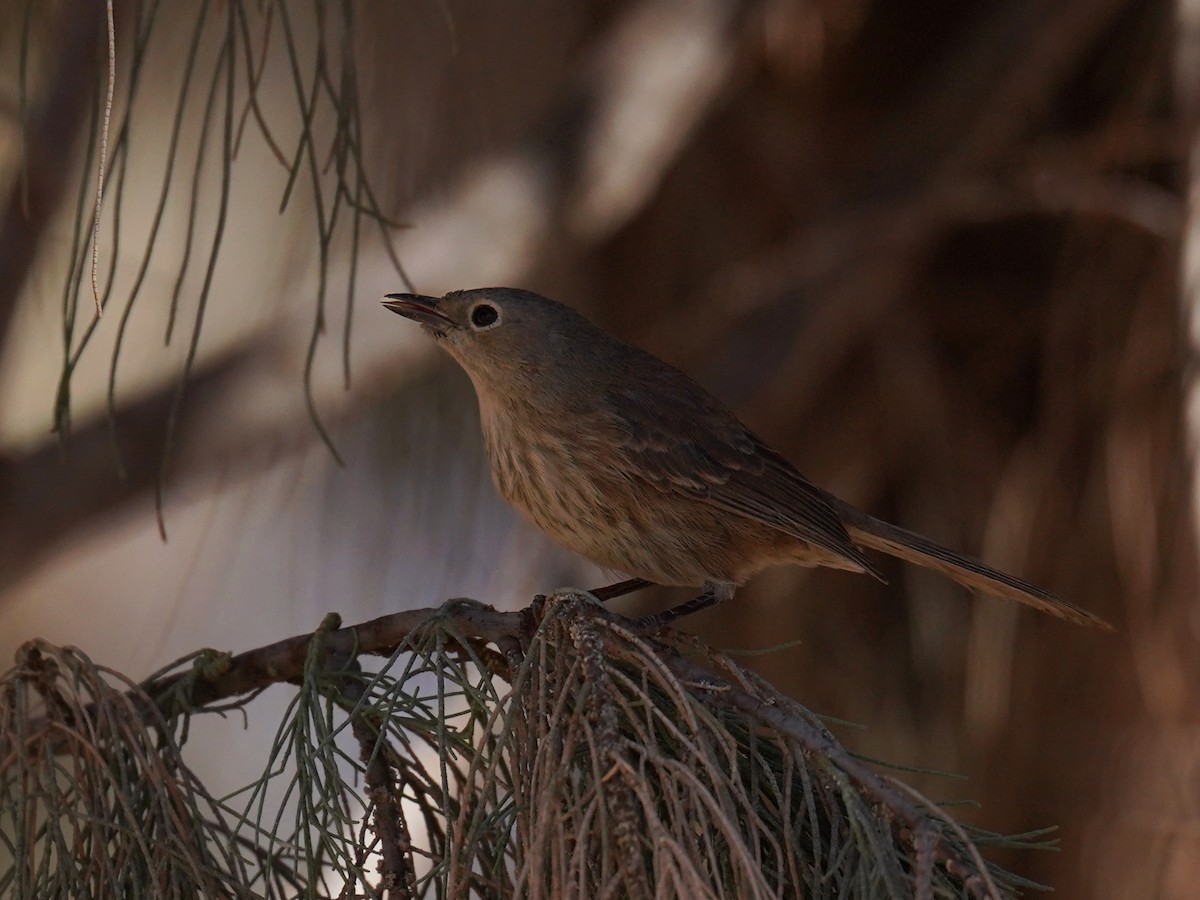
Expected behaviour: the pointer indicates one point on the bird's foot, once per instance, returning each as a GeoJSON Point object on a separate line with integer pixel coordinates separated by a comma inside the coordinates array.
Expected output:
{"type": "Point", "coordinates": [713, 593]}
{"type": "Point", "coordinates": [620, 589]}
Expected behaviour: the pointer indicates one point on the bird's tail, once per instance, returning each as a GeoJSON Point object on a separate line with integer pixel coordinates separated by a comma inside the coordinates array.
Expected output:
{"type": "Point", "coordinates": [878, 535]}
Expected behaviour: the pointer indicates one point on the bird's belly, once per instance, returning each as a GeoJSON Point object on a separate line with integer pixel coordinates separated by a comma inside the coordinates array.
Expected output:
{"type": "Point", "coordinates": [623, 524]}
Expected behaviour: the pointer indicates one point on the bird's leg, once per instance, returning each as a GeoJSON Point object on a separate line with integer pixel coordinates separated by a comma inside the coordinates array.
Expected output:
{"type": "Point", "coordinates": [620, 589]}
{"type": "Point", "coordinates": [714, 592]}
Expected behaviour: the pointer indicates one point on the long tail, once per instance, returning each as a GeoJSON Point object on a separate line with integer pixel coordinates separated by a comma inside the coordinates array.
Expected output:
{"type": "Point", "coordinates": [880, 535]}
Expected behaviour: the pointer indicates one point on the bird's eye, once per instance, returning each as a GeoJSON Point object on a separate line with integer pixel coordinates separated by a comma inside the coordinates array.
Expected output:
{"type": "Point", "coordinates": [484, 316]}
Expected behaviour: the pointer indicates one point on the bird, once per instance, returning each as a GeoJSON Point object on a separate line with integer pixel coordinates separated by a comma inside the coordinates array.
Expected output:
{"type": "Point", "coordinates": [626, 460]}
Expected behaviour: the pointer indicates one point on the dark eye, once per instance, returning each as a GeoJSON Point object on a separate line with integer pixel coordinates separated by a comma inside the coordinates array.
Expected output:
{"type": "Point", "coordinates": [484, 315]}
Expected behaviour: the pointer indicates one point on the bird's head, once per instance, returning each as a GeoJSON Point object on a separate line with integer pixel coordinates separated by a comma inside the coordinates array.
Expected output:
{"type": "Point", "coordinates": [503, 336]}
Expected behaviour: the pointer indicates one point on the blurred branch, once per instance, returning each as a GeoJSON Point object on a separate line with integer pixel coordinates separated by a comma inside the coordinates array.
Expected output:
{"type": "Point", "coordinates": [649, 82]}
{"type": "Point", "coordinates": [595, 159]}
{"type": "Point", "coordinates": [853, 262]}
{"type": "Point", "coordinates": [58, 490]}
{"type": "Point", "coordinates": [612, 762]}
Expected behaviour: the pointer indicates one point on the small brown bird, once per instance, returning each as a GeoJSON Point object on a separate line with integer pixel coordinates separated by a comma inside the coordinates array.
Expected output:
{"type": "Point", "coordinates": [627, 461]}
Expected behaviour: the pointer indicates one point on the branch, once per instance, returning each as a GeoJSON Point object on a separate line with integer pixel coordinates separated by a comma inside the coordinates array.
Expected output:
{"type": "Point", "coordinates": [383, 796]}
{"type": "Point", "coordinates": [612, 758]}
{"type": "Point", "coordinates": [224, 677]}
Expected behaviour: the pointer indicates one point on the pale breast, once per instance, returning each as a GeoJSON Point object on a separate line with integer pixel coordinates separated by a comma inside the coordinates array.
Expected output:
{"type": "Point", "coordinates": [576, 491]}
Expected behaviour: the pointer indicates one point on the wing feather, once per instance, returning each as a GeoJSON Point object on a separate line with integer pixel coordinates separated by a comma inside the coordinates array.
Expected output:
{"type": "Point", "coordinates": [697, 447]}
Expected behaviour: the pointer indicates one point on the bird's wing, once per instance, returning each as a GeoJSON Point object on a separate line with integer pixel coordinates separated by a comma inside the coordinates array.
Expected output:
{"type": "Point", "coordinates": [694, 445]}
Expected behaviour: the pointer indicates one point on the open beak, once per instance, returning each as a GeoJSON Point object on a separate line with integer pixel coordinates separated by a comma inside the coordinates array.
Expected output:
{"type": "Point", "coordinates": [420, 309]}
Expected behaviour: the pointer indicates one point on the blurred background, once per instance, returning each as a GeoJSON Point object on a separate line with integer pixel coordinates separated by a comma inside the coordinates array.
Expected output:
{"type": "Point", "coordinates": [940, 255]}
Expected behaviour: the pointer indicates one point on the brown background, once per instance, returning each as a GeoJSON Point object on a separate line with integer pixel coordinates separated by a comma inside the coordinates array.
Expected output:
{"type": "Point", "coordinates": [931, 251]}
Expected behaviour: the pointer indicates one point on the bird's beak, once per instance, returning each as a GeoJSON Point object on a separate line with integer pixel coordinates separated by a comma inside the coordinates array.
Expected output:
{"type": "Point", "coordinates": [420, 309]}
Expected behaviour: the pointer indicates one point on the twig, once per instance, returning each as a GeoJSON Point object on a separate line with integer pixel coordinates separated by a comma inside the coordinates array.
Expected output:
{"type": "Point", "coordinates": [103, 155]}
{"type": "Point", "coordinates": [626, 826]}
{"type": "Point", "coordinates": [395, 842]}
{"type": "Point", "coordinates": [284, 660]}
{"type": "Point", "coordinates": [784, 716]}
{"type": "Point", "coordinates": [49, 141]}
